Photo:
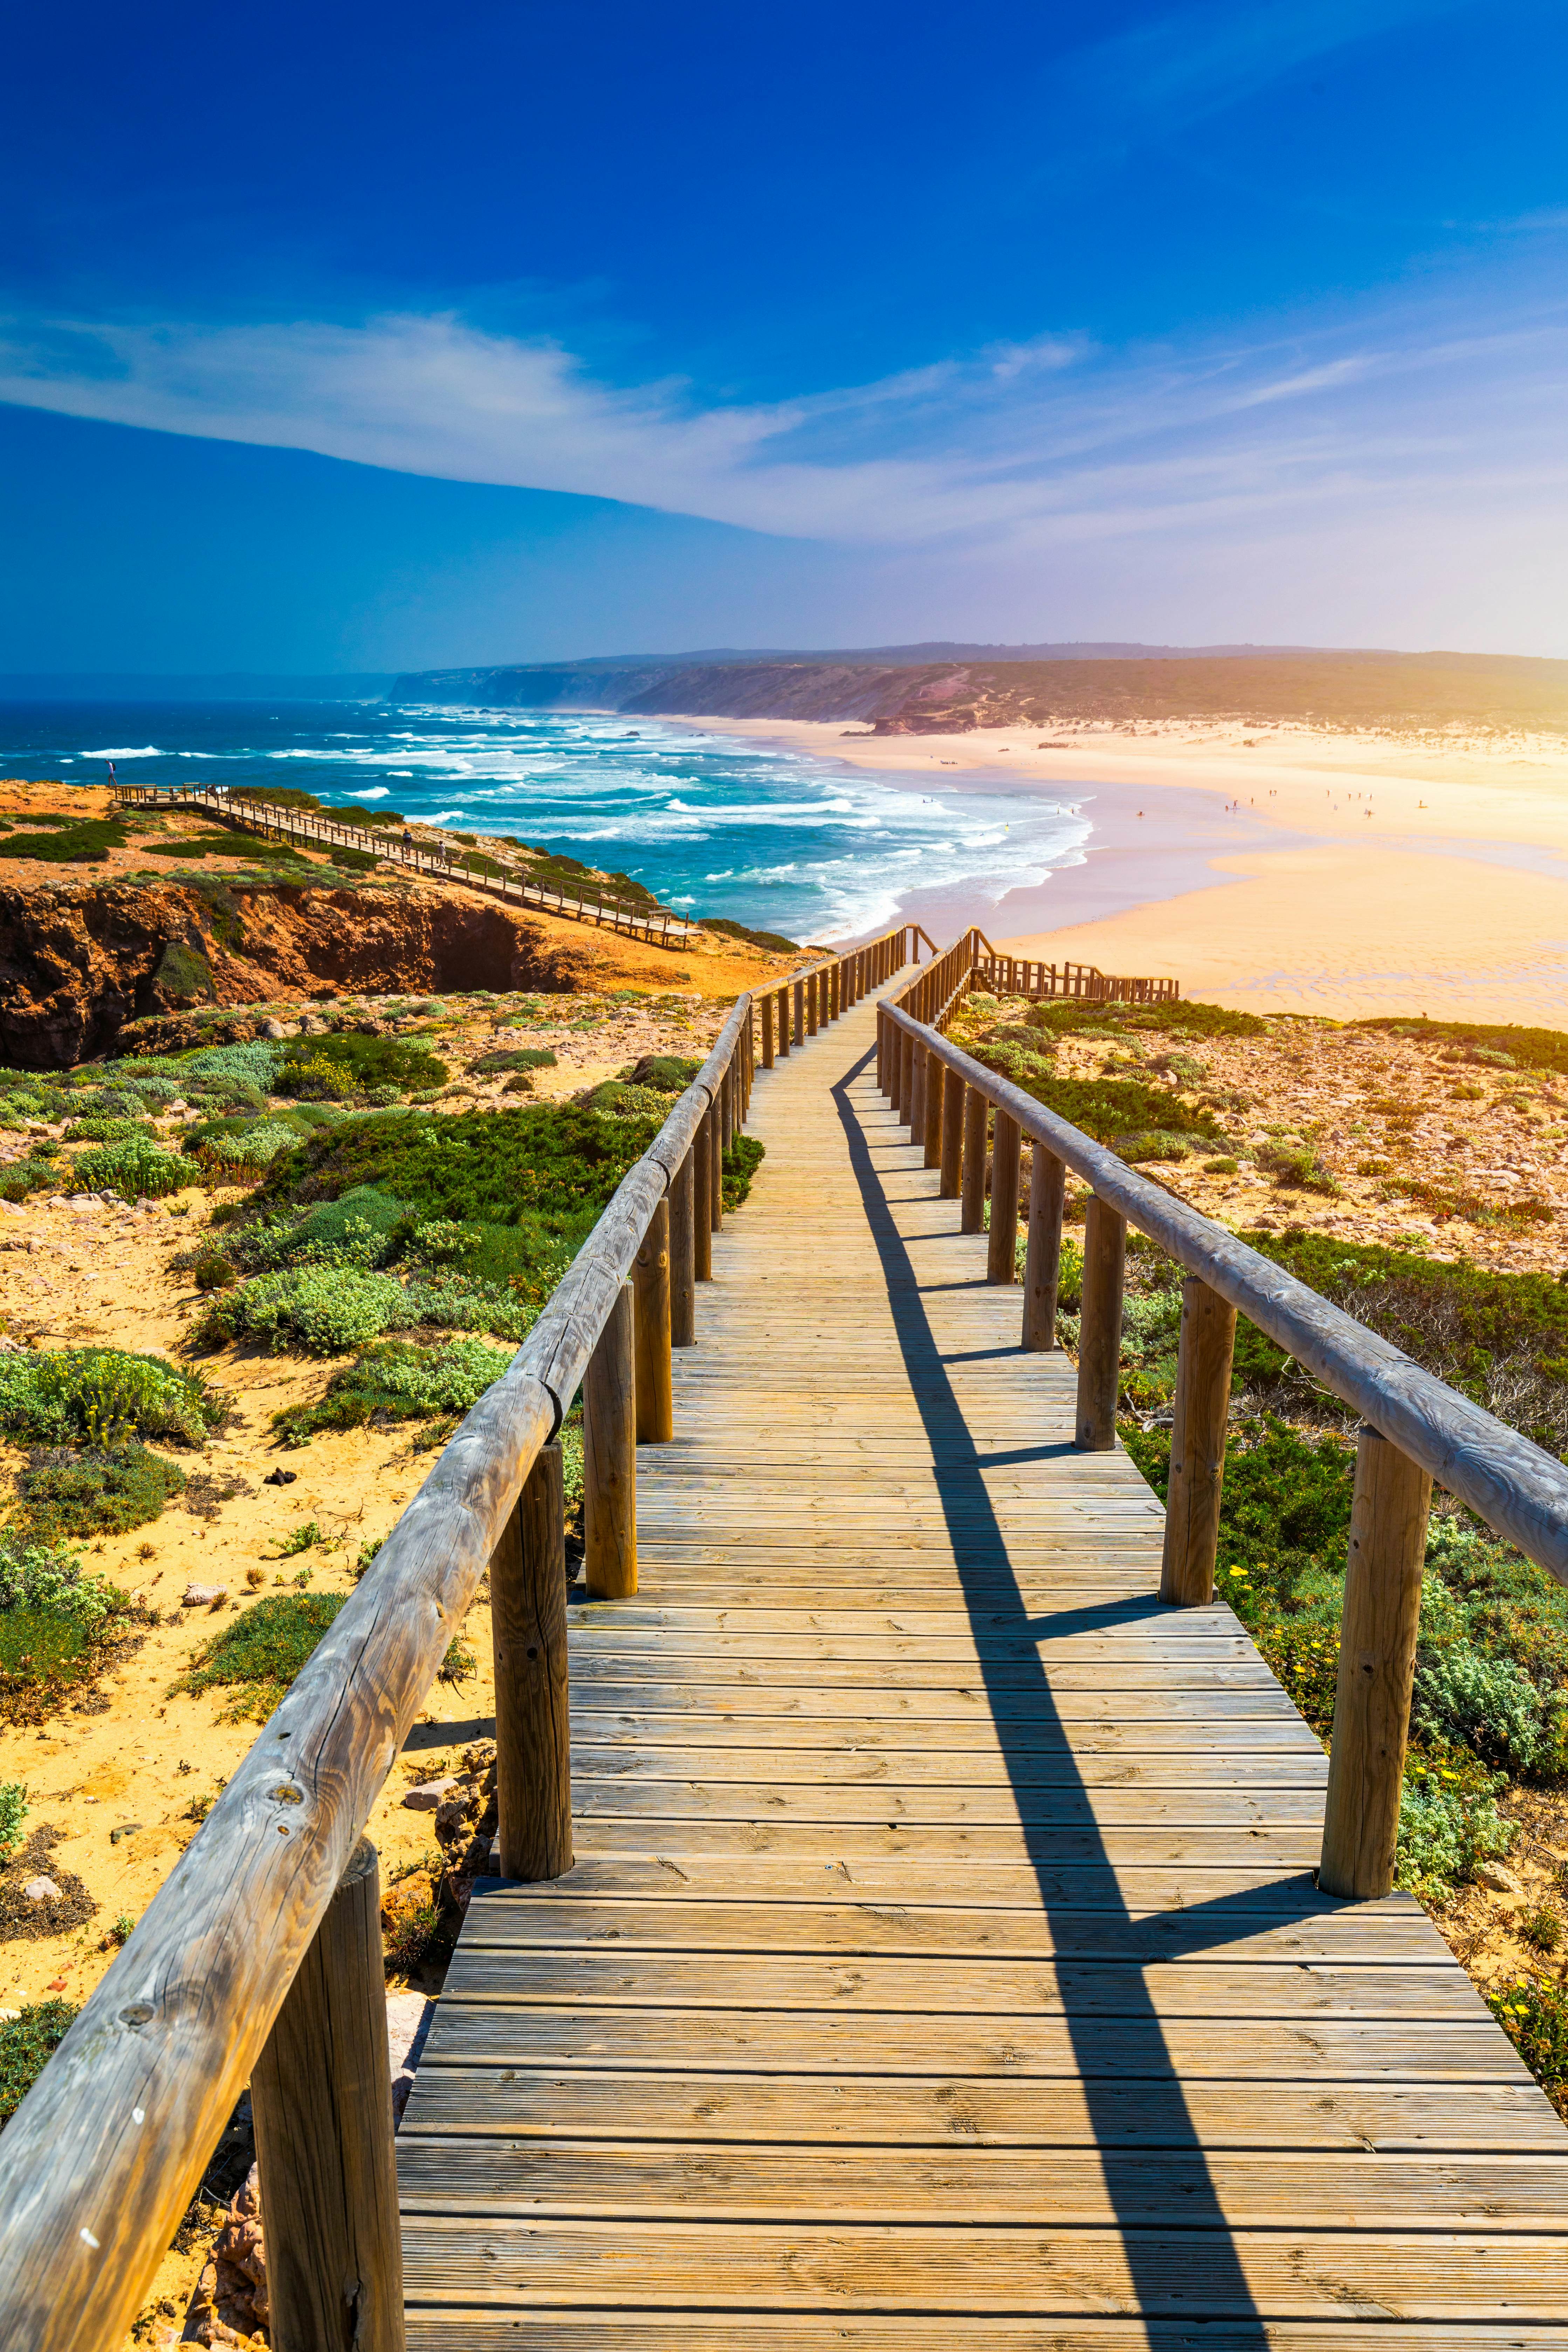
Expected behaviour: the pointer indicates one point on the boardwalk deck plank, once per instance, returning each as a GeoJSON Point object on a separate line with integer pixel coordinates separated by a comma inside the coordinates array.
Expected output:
{"type": "Point", "coordinates": [943, 1959]}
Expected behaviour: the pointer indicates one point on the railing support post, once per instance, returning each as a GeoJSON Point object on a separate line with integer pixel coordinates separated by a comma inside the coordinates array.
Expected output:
{"type": "Point", "coordinates": [702, 1202]}
{"type": "Point", "coordinates": [1002, 1251]}
{"type": "Point", "coordinates": [683, 1255]}
{"type": "Point", "coordinates": [976, 1119]}
{"type": "Point", "coordinates": [528, 1617]}
{"type": "Point", "coordinates": [321, 2099]}
{"type": "Point", "coordinates": [650, 1279]}
{"type": "Point", "coordinates": [1043, 1255]}
{"type": "Point", "coordinates": [1197, 1445]}
{"type": "Point", "coordinates": [726, 1108]}
{"type": "Point", "coordinates": [784, 1023]}
{"type": "Point", "coordinates": [935, 1092]}
{"type": "Point", "coordinates": [610, 1456]}
{"type": "Point", "coordinates": [767, 1033]}
{"type": "Point", "coordinates": [1377, 1669]}
{"type": "Point", "coordinates": [1099, 1329]}
{"type": "Point", "coordinates": [715, 1170]}
{"type": "Point", "coordinates": [907, 1081]}
{"type": "Point", "coordinates": [800, 1013]}
{"type": "Point", "coordinates": [917, 1110]}
{"type": "Point", "coordinates": [952, 1092]}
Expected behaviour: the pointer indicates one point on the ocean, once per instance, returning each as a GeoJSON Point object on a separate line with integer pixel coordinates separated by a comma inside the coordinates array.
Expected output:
{"type": "Point", "coordinates": [779, 839]}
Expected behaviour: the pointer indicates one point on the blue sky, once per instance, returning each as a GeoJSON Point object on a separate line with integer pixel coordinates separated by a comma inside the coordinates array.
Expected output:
{"type": "Point", "coordinates": [338, 340]}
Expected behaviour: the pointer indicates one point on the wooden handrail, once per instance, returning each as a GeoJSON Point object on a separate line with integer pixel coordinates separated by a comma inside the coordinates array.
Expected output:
{"type": "Point", "coordinates": [104, 2156]}
{"type": "Point", "coordinates": [267, 817]}
{"type": "Point", "coordinates": [1513, 1485]}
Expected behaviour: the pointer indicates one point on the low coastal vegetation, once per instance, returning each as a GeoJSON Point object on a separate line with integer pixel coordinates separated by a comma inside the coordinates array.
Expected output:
{"type": "Point", "coordinates": [1237, 1113]}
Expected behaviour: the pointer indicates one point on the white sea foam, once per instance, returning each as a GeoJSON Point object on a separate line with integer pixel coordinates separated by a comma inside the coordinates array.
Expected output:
{"type": "Point", "coordinates": [129, 751]}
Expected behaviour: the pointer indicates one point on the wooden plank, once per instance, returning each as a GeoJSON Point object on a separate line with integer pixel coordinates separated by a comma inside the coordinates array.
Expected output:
{"type": "Point", "coordinates": [1078, 2190]}
{"type": "Point", "coordinates": [461, 2327]}
{"type": "Point", "coordinates": [1311, 2048]}
{"type": "Point", "coordinates": [1287, 2272]}
{"type": "Point", "coordinates": [964, 2112]}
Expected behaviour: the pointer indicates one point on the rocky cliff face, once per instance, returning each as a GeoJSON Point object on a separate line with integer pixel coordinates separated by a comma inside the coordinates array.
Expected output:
{"type": "Point", "coordinates": [78, 961]}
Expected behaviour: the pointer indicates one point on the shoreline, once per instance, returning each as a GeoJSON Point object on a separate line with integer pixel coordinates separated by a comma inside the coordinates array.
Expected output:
{"type": "Point", "coordinates": [1244, 863]}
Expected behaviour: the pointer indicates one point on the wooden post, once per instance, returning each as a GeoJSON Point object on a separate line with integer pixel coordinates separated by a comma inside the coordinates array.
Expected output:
{"type": "Point", "coordinates": [1042, 1263]}
{"type": "Point", "coordinates": [976, 1119]}
{"type": "Point", "coordinates": [1377, 1669]}
{"type": "Point", "coordinates": [715, 1170]}
{"type": "Point", "coordinates": [895, 1060]}
{"type": "Point", "coordinates": [935, 1091]}
{"type": "Point", "coordinates": [650, 1277]}
{"type": "Point", "coordinates": [321, 2099]}
{"type": "Point", "coordinates": [1002, 1253]}
{"type": "Point", "coordinates": [813, 1002]}
{"type": "Point", "coordinates": [953, 1094]}
{"type": "Point", "coordinates": [800, 1013]}
{"type": "Point", "coordinates": [726, 1107]}
{"type": "Point", "coordinates": [1197, 1445]}
{"type": "Point", "coordinates": [917, 1094]}
{"type": "Point", "coordinates": [702, 1202]}
{"type": "Point", "coordinates": [767, 1033]}
{"type": "Point", "coordinates": [1100, 1330]}
{"type": "Point", "coordinates": [610, 1455]}
{"type": "Point", "coordinates": [683, 1255]}
{"type": "Point", "coordinates": [528, 1619]}
{"type": "Point", "coordinates": [784, 1023]}
{"type": "Point", "coordinates": [907, 1082]}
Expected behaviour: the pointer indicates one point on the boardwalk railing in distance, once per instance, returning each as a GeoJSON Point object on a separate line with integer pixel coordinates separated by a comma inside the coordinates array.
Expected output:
{"type": "Point", "coordinates": [302, 825]}
{"type": "Point", "coordinates": [1414, 1428]}
{"type": "Point", "coordinates": [259, 1959]}
{"type": "Point", "coordinates": [1022, 976]}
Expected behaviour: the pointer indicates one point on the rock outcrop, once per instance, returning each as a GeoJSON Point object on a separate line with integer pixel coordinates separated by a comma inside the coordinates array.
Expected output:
{"type": "Point", "coordinates": [80, 962]}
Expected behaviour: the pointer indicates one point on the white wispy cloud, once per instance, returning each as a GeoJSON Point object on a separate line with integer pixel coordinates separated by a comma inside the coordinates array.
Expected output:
{"type": "Point", "coordinates": [1034, 445]}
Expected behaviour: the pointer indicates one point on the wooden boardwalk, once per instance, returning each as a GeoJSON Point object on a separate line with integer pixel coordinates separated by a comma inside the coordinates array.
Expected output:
{"type": "Point", "coordinates": [941, 1965]}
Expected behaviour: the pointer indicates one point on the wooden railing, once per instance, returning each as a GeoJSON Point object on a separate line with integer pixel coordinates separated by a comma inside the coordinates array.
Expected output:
{"type": "Point", "coordinates": [308, 827]}
{"type": "Point", "coordinates": [258, 1961]}
{"type": "Point", "coordinates": [1021, 976]}
{"type": "Point", "coordinates": [1414, 1428]}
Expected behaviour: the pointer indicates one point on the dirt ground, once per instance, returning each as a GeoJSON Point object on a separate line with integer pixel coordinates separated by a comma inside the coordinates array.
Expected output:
{"type": "Point", "coordinates": [123, 1776]}
{"type": "Point", "coordinates": [1461, 1130]}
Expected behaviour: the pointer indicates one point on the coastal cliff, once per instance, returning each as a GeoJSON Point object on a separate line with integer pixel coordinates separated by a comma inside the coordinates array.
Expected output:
{"type": "Point", "coordinates": [78, 961]}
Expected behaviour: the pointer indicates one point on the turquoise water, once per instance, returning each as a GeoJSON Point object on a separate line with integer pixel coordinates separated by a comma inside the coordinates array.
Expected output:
{"type": "Point", "coordinates": [776, 838]}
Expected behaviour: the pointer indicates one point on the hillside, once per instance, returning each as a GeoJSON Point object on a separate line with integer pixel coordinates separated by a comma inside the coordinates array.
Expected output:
{"type": "Point", "coordinates": [1402, 692]}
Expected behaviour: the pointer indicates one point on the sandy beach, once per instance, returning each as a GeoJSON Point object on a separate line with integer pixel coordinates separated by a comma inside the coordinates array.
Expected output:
{"type": "Point", "coordinates": [1282, 868]}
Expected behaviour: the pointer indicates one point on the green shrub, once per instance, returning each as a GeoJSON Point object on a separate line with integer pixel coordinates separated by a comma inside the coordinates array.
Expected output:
{"type": "Point", "coordinates": [1444, 1831]}
{"type": "Point", "coordinates": [213, 1271]}
{"type": "Point", "coordinates": [1489, 1705]}
{"type": "Point", "coordinates": [87, 843]}
{"type": "Point", "coordinates": [1152, 1143]}
{"type": "Point", "coordinates": [352, 861]}
{"type": "Point", "coordinates": [12, 1813]}
{"type": "Point", "coordinates": [1298, 1165]}
{"type": "Point", "coordinates": [25, 1177]}
{"type": "Point", "coordinates": [353, 1063]}
{"type": "Point", "coordinates": [259, 1652]}
{"type": "Point", "coordinates": [136, 1169]}
{"type": "Point", "coordinates": [1504, 1047]}
{"type": "Point", "coordinates": [106, 1130]}
{"type": "Point", "coordinates": [1184, 1018]}
{"type": "Point", "coordinates": [554, 1167]}
{"type": "Point", "coordinates": [104, 1397]}
{"type": "Point", "coordinates": [27, 2042]}
{"type": "Point", "coordinates": [325, 1309]}
{"type": "Point", "coordinates": [514, 1057]}
{"type": "Point", "coordinates": [1535, 2019]}
{"type": "Point", "coordinates": [738, 1167]}
{"type": "Point", "coordinates": [95, 1492]}
{"type": "Point", "coordinates": [397, 1381]}
{"type": "Point", "coordinates": [355, 1229]}
{"type": "Point", "coordinates": [774, 940]}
